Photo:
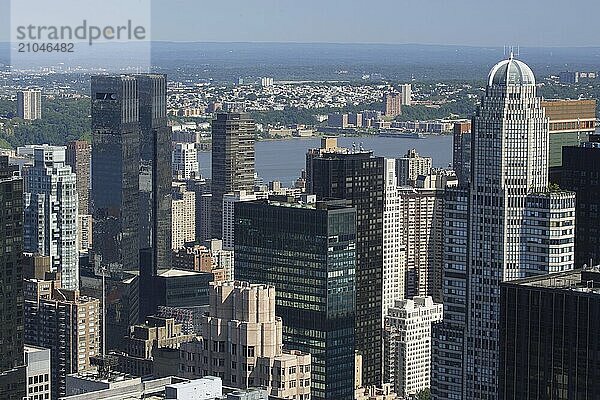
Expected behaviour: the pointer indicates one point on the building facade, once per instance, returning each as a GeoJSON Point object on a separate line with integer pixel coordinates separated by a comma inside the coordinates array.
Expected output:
{"type": "Point", "coordinates": [12, 370]}
{"type": "Point", "coordinates": [51, 212]}
{"type": "Point", "coordinates": [232, 162]}
{"type": "Point", "coordinates": [183, 220]}
{"type": "Point", "coordinates": [78, 157]}
{"type": "Point", "coordinates": [392, 102]}
{"type": "Point", "coordinates": [307, 251]}
{"type": "Point", "coordinates": [229, 200]}
{"type": "Point", "coordinates": [241, 343]}
{"type": "Point", "coordinates": [29, 104]}
{"type": "Point", "coordinates": [548, 345]}
{"type": "Point", "coordinates": [358, 176]}
{"type": "Point", "coordinates": [37, 373]}
{"type": "Point", "coordinates": [407, 340]}
{"type": "Point", "coordinates": [69, 325]}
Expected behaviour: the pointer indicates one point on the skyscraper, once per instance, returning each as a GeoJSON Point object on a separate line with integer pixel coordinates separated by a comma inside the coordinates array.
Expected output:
{"type": "Point", "coordinates": [115, 172]}
{"type": "Point", "coordinates": [392, 102]}
{"type": "Point", "coordinates": [131, 171]}
{"type": "Point", "coordinates": [232, 161]}
{"type": "Point", "coordinates": [410, 166]}
{"type": "Point", "coordinates": [242, 338]}
{"type": "Point", "coordinates": [358, 176]}
{"type": "Point", "coordinates": [78, 157]}
{"type": "Point", "coordinates": [12, 371]}
{"type": "Point", "coordinates": [51, 212]}
{"type": "Point", "coordinates": [579, 172]}
{"type": "Point", "coordinates": [406, 94]}
{"type": "Point", "coordinates": [307, 251]}
{"type": "Point", "coordinates": [512, 219]}
{"type": "Point", "coordinates": [29, 104]}
{"type": "Point", "coordinates": [155, 160]}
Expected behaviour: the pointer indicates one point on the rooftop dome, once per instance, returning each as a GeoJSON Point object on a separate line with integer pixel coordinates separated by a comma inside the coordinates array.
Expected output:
{"type": "Point", "coordinates": [511, 72]}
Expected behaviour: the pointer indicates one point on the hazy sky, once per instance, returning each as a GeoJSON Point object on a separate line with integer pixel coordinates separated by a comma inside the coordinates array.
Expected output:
{"type": "Point", "coordinates": [463, 22]}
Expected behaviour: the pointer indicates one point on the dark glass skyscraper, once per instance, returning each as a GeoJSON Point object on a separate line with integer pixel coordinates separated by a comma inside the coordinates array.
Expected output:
{"type": "Point", "coordinates": [115, 172]}
{"type": "Point", "coordinates": [232, 161]}
{"type": "Point", "coordinates": [580, 173]}
{"type": "Point", "coordinates": [549, 342]}
{"type": "Point", "coordinates": [308, 252]}
{"type": "Point", "coordinates": [358, 176]}
{"type": "Point", "coordinates": [12, 371]}
{"type": "Point", "coordinates": [131, 170]}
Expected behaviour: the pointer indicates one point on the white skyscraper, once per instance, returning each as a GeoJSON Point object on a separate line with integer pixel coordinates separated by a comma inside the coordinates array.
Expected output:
{"type": "Point", "coordinates": [51, 212]}
{"type": "Point", "coordinates": [185, 161]}
{"type": "Point", "coordinates": [407, 341]}
{"type": "Point", "coordinates": [410, 166]}
{"type": "Point", "coordinates": [29, 104]}
{"type": "Point", "coordinates": [406, 94]}
{"type": "Point", "coordinates": [510, 220]}
{"type": "Point", "coordinates": [394, 250]}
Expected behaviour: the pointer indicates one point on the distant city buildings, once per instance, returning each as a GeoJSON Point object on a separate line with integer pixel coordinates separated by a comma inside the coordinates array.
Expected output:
{"type": "Point", "coordinates": [66, 323]}
{"type": "Point", "coordinates": [37, 373]}
{"type": "Point", "coordinates": [241, 343]}
{"type": "Point", "coordinates": [266, 81]}
{"type": "Point", "coordinates": [307, 251]}
{"type": "Point", "coordinates": [410, 166]}
{"type": "Point", "coordinates": [392, 103]}
{"type": "Point", "coordinates": [548, 346]}
{"type": "Point", "coordinates": [407, 341]}
{"type": "Point", "coordinates": [358, 176]}
{"type": "Point", "coordinates": [232, 162]}
{"type": "Point", "coordinates": [29, 104]}
{"type": "Point", "coordinates": [51, 213]}
{"type": "Point", "coordinates": [406, 91]}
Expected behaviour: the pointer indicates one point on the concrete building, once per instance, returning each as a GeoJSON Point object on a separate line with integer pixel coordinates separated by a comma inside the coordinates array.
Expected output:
{"type": "Point", "coordinates": [229, 201]}
{"type": "Point", "coordinates": [69, 325]}
{"type": "Point", "coordinates": [421, 235]}
{"type": "Point", "coordinates": [406, 91]}
{"type": "Point", "coordinates": [185, 161]}
{"type": "Point", "coordinates": [144, 340]}
{"type": "Point", "coordinates": [338, 120]}
{"type": "Point", "coordinates": [51, 212]}
{"type": "Point", "coordinates": [241, 342]}
{"type": "Point", "coordinates": [183, 220]}
{"type": "Point", "coordinates": [232, 162]}
{"type": "Point", "coordinates": [84, 233]}
{"type": "Point", "coordinates": [407, 340]}
{"type": "Point", "coordinates": [266, 81]}
{"type": "Point", "coordinates": [12, 370]}
{"type": "Point", "coordinates": [508, 193]}
{"type": "Point", "coordinates": [37, 373]}
{"type": "Point", "coordinates": [78, 157]}
{"type": "Point", "coordinates": [392, 102]}
{"type": "Point", "coordinates": [548, 345]}
{"type": "Point", "coordinates": [29, 104]}
{"type": "Point", "coordinates": [409, 167]}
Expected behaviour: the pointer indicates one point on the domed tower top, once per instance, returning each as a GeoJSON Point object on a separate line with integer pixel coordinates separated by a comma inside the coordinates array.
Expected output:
{"type": "Point", "coordinates": [511, 72]}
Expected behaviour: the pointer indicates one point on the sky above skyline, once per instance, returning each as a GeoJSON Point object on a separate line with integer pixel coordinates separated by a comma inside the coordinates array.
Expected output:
{"type": "Point", "coordinates": [457, 22]}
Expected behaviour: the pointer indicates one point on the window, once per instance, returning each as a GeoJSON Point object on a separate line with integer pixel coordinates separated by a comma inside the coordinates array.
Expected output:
{"type": "Point", "coordinates": [233, 349]}
{"type": "Point", "coordinates": [250, 351]}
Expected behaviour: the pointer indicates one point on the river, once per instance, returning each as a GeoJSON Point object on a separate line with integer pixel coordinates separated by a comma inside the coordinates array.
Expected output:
{"type": "Point", "coordinates": [283, 159]}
